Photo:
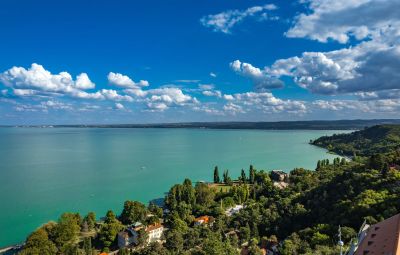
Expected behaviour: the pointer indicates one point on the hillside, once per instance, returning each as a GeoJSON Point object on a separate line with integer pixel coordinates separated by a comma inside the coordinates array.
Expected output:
{"type": "Point", "coordinates": [376, 139]}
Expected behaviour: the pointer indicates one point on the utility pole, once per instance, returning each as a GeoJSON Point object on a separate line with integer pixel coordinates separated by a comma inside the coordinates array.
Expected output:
{"type": "Point", "coordinates": [340, 241]}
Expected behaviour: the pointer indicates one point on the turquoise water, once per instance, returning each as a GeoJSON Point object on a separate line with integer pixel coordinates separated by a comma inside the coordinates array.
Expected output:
{"type": "Point", "coordinates": [44, 172]}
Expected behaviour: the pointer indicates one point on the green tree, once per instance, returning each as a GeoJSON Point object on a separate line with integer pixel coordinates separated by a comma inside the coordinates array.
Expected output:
{"type": "Point", "coordinates": [244, 233]}
{"type": "Point", "coordinates": [133, 211]}
{"type": "Point", "coordinates": [252, 174]}
{"type": "Point", "coordinates": [226, 178]}
{"type": "Point", "coordinates": [142, 237]}
{"type": "Point", "coordinates": [243, 177]}
{"type": "Point", "coordinates": [123, 251]}
{"type": "Point", "coordinates": [87, 245]}
{"type": "Point", "coordinates": [155, 210]}
{"type": "Point", "coordinates": [204, 194]}
{"type": "Point", "coordinates": [216, 175]}
{"type": "Point", "coordinates": [385, 169]}
{"type": "Point", "coordinates": [67, 229]}
{"type": "Point", "coordinates": [38, 243]}
{"type": "Point", "coordinates": [174, 241]}
{"type": "Point", "coordinates": [109, 230]}
{"type": "Point", "coordinates": [90, 219]}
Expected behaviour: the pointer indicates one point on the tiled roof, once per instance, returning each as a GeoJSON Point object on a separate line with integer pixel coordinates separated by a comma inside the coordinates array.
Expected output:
{"type": "Point", "coordinates": [153, 227]}
{"type": "Point", "coordinates": [382, 238]}
{"type": "Point", "coordinates": [204, 219]}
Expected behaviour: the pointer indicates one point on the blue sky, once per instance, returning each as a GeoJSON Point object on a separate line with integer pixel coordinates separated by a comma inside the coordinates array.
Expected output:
{"type": "Point", "coordinates": [65, 62]}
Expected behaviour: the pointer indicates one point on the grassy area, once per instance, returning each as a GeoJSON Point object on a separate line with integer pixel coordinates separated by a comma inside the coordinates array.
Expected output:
{"type": "Point", "coordinates": [220, 187]}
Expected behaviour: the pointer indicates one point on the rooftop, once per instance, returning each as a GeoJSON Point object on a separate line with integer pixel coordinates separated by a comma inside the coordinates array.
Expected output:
{"type": "Point", "coordinates": [382, 238]}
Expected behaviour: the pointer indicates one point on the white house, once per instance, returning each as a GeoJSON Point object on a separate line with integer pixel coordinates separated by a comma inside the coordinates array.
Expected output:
{"type": "Point", "coordinates": [154, 232]}
{"type": "Point", "coordinates": [233, 210]}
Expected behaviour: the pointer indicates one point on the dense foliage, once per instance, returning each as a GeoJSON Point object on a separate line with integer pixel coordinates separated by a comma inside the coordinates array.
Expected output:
{"type": "Point", "coordinates": [377, 139]}
{"type": "Point", "coordinates": [302, 218]}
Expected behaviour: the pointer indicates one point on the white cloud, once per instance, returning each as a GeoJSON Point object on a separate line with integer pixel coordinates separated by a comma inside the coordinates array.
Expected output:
{"type": "Point", "coordinates": [212, 93]}
{"type": "Point", "coordinates": [37, 81]}
{"type": "Point", "coordinates": [121, 80]}
{"type": "Point", "coordinates": [119, 106]}
{"type": "Point", "coordinates": [225, 21]}
{"type": "Point", "coordinates": [228, 97]}
{"type": "Point", "coordinates": [37, 78]}
{"type": "Point", "coordinates": [208, 110]}
{"type": "Point", "coordinates": [162, 98]}
{"type": "Point", "coordinates": [370, 66]}
{"type": "Point", "coordinates": [187, 81]}
{"type": "Point", "coordinates": [206, 86]}
{"type": "Point", "coordinates": [233, 108]}
{"type": "Point", "coordinates": [266, 102]}
{"type": "Point", "coordinates": [114, 96]}
{"type": "Point", "coordinates": [83, 82]}
{"type": "Point", "coordinates": [355, 106]}
{"type": "Point", "coordinates": [261, 79]}
{"type": "Point", "coordinates": [341, 19]}
{"type": "Point", "coordinates": [213, 74]}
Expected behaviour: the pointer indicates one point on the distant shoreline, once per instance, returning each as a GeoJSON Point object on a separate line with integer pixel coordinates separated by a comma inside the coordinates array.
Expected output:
{"type": "Point", "coordinates": [278, 125]}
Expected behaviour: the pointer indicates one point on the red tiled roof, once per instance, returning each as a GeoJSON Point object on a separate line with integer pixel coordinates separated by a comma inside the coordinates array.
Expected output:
{"type": "Point", "coordinates": [205, 219]}
{"type": "Point", "coordinates": [382, 238]}
{"type": "Point", "coordinates": [153, 227]}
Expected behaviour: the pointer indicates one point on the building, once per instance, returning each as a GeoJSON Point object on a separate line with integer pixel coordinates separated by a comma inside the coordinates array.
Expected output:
{"type": "Point", "coordinates": [129, 237]}
{"type": "Point", "coordinates": [233, 210]}
{"type": "Point", "coordinates": [207, 220]}
{"type": "Point", "coordinates": [381, 238]}
{"type": "Point", "coordinates": [279, 176]}
{"type": "Point", "coordinates": [154, 232]}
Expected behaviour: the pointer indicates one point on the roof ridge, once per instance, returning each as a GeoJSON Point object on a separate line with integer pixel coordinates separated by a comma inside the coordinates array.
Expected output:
{"type": "Point", "coordinates": [396, 247]}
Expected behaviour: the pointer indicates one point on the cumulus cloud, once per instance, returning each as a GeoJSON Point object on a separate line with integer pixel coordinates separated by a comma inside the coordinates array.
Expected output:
{"type": "Point", "coordinates": [37, 78]}
{"type": "Point", "coordinates": [212, 93]}
{"type": "Point", "coordinates": [341, 19]}
{"type": "Point", "coordinates": [262, 80]}
{"type": "Point", "coordinates": [225, 21]}
{"type": "Point", "coordinates": [265, 102]}
{"type": "Point", "coordinates": [37, 81]}
{"type": "Point", "coordinates": [162, 98]}
{"type": "Point", "coordinates": [370, 69]}
{"type": "Point", "coordinates": [83, 82]}
{"type": "Point", "coordinates": [121, 80]}
{"type": "Point", "coordinates": [119, 106]}
{"type": "Point", "coordinates": [355, 106]}
{"type": "Point", "coordinates": [233, 108]}
{"type": "Point", "coordinates": [206, 86]}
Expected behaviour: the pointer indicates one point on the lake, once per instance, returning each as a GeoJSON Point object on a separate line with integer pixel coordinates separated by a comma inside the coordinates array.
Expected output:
{"type": "Point", "coordinates": [47, 171]}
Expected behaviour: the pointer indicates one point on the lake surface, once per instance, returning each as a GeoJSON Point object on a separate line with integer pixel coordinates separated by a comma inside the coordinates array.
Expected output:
{"type": "Point", "coordinates": [44, 172]}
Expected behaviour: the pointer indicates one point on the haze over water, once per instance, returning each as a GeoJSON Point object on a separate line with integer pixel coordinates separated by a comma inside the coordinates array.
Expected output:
{"type": "Point", "coordinates": [45, 172]}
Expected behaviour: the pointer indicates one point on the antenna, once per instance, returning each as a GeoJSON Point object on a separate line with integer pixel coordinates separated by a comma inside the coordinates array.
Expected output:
{"type": "Point", "coordinates": [340, 243]}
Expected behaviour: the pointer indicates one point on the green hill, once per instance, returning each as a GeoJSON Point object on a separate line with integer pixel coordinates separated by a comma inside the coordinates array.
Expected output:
{"type": "Point", "coordinates": [372, 140]}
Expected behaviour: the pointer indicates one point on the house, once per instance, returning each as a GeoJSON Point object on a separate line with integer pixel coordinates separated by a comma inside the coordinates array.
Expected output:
{"type": "Point", "coordinates": [233, 210]}
{"type": "Point", "coordinates": [380, 238]}
{"type": "Point", "coordinates": [206, 220]}
{"type": "Point", "coordinates": [129, 236]}
{"type": "Point", "coordinates": [279, 176]}
{"type": "Point", "coordinates": [154, 232]}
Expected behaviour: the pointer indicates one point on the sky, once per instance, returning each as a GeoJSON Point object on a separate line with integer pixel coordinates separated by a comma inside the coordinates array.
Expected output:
{"type": "Point", "coordinates": [122, 61]}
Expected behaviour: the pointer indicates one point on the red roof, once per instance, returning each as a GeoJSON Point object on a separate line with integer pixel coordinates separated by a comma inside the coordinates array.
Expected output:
{"type": "Point", "coordinates": [203, 219]}
{"type": "Point", "coordinates": [382, 238]}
